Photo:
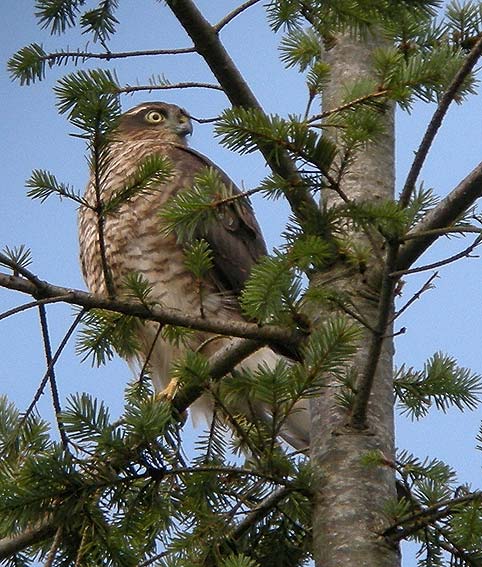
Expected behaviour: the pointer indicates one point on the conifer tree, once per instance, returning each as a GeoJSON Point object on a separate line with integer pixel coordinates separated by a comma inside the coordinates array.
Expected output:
{"type": "Point", "coordinates": [125, 492]}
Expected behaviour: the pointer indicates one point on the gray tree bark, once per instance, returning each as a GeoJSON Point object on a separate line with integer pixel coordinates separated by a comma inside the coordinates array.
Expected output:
{"type": "Point", "coordinates": [348, 514]}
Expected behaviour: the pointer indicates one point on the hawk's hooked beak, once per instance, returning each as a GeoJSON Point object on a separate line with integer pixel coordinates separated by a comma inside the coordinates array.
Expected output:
{"type": "Point", "coordinates": [184, 128]}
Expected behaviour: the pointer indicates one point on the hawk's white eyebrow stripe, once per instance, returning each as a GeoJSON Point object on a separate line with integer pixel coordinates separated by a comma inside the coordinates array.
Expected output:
{"type": "Point", "coordinates": [137, 109]}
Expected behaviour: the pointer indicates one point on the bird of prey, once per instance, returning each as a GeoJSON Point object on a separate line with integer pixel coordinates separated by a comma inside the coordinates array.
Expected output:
{"type": "Point", "coordinates": [133, 242]}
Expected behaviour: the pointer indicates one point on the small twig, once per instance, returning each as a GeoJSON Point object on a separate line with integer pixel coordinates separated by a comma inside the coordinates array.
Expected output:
{"type": "Point", "coordinates": [51, 376]}
{"type": "Point", "coordinates": [154, 558]}
{"type": "Point", "coordinates": [348, 105]}
{"type": "Point", "coordinates": [436, 122]}
{"type": "Point", "coordinates": [464, 254]}
{"type": "Point", "coordinates": [54, 548]}
{"type": "Point", "coordinates": [149, 354]}
{"type": "Point", "coordinates": [31, 304]}
{"type": "Point", "coordinates": [241, 195]}
{"type": "Point", "coordinates": [426, 287]}
{"type": "Point", "coordinates": [236, 427]}
{"type": "Point", "coordinates": [84, 55]}
{"type": "Point", "coordinates": [53, 361]}
{"type": "Point", "coordinates": [456, 550]}
{"type": "Point", "coordinates": [187, 85]}
{"type": "Point", "coordinates": [401, 331]}
{"type": "Point", "coordinates": [100, 216]}
{"type": "Point", "coordinates": [442, 232]}
{"type": "Point", "coordinates": [204, 120]}
{"type": "Point", "coordinates": [353, 314]}
{"type": "Point", "coordinates": [229, 17]}
{"type": "Point", "coordinates": [82, 545]}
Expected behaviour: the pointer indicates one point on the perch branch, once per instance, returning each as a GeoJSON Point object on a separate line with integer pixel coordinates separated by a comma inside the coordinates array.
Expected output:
{"type": "Point", "coordinates": [268, 334]}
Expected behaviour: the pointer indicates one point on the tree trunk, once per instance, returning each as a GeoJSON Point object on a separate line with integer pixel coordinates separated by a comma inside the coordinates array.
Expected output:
{"type": "Point", "coordinates": [348, 515]}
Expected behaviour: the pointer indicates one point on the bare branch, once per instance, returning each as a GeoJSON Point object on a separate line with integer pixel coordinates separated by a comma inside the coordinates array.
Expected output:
{"type": "Point", "coordinates": [463, 230]}
{"type": "Point", "coordinates": [50, 366]}
{"type": "Point", "coordinates": [426, 286]}
{"type": "Point", "coordinates": [85, 55]}
{"type": "Point", "coordinates": [432, 129]}
{"type": "Point", "coordinates": [31, 304]}
{"type": "Point", "coordinates": [267, 334]}
{"type": "Point", "coordinates": [441, 217]}
{"type": "Point", "coordinates": [149, 354]}
{"type": "Point", "coordinates": [51, 375]}
{"type": "Point", "coordinates": [54, 548]}
{"type": "Point", "coordinates": [229, 17]}
{"type": "Point", "coordinates": [188, 85]}
{"type": "Point", "coordinates": [464, 254]}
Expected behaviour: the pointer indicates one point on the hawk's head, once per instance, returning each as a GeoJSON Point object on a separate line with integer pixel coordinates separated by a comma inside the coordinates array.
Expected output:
{"type": "Point", "coordinates": [156, 120]}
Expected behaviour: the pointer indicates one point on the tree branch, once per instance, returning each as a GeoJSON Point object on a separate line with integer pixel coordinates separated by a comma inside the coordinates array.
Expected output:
{"type": "Point", "coordinates": [365, 383]}
{"type": "Point", "coordinates": [259, 512]}
{"type": "Point", "coordinates": [208, 45]}
{"type": "Point", "coordinates": [464, 254]}
{"type": "Point", "coordinates": [188, 85]}
{"type": "Point", "coordinates": [13, 544]}
{"type": "Point", "coordinates": [427, 516]}
{"type": "Point", "coordinates": [267, 334]}
{"type": "Point", "coordinates": [51, 375]}
{"type": "Point", "coordinates": [426, 287]}
{"type": "Point", "coordinates": [52, 361]}
{"type": "Point", "coordinates": [440, 217]}
{"type": "Point", "coordinates": [30, 304]}
{"type": "Point", "coordinates": [52, 58]}
{"type": "Point", "coordinates": [221, 363]}
{"type": "Point", "coordinates": [436, 121]}
{"type": "Point", "coordinates": [229, 17]}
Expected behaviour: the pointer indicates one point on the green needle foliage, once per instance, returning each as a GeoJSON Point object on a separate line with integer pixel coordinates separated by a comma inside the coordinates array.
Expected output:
{"type": "Point", "coordinates": [190, 212]}
{"type": "Point", "coordinates": [245, 130]}
{"type": "Point", "coordinates": [199, 258]}
{"type": "Point", "coordinates": [151, 172]}
{"type": "Point", "coordinates": [441, 383]}
{"type": "Point", "coordinates": [43, 185]}
{"type": "Point", "coordinates": [20, 256]}
{"type": "Point", "coordinates": [105, 333]}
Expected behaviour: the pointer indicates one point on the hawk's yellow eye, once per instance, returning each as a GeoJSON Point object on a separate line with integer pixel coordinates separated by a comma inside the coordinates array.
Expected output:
{"type": "Point", "coordinates": [154, 117]}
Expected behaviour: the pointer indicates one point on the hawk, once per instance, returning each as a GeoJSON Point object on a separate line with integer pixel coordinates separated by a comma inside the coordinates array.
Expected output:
{"type": "Point", "coordinates": [133, 242]}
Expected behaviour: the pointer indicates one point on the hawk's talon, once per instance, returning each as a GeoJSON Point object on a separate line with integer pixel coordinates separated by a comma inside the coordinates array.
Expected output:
{"type": "Point", "coordinates": [169, 391]}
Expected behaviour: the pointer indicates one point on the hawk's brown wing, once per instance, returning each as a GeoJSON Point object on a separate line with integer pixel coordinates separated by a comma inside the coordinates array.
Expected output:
{"type": "Point", "coordinates": [236, 239]}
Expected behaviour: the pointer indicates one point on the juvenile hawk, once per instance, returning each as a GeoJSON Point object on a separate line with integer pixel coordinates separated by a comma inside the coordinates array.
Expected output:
{"type": "Point", "coordinates": [134, 243]}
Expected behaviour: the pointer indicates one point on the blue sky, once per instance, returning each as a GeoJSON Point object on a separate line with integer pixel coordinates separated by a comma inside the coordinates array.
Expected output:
{"type": "Point", "coordinates": [35, 136]}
